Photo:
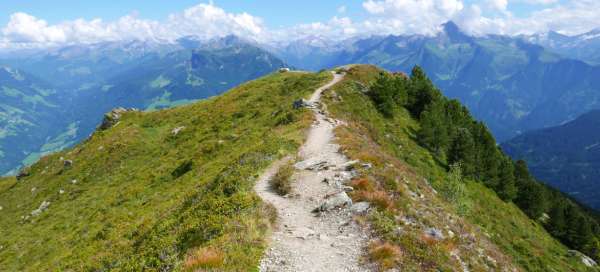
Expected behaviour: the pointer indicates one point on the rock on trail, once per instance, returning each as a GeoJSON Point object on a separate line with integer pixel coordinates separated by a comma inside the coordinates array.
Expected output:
{"type": "Point", "coordinates": [315, 229]}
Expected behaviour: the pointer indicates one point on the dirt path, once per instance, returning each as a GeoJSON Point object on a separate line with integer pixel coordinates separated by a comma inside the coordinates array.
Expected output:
{"type": "Point", "coordinates": [304, 240]}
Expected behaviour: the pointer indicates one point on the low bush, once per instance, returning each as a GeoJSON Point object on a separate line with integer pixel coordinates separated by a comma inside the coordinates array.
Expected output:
{"type": "Point", "coordinates": [282, 181]}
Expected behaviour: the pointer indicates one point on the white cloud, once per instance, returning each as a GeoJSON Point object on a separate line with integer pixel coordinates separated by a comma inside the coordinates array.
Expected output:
{"type": "Point", "coordinates": [382, 17]}
{"type": "Point", "coordinates": [25, 28]}
{"type": "Point", "coordinates": [203, 20]}
{"type": "Point", "coordinates": [411, 16]}
{"type": "Point", "coordinates": [537, 2]}
{"type": "Point", "coordinates": [500, 5]}
{"type": "Point", "coordinates": [423, 16]}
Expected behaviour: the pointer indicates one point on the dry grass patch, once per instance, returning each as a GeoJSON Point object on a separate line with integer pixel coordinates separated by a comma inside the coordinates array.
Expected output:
{"type": "Point", "coordinates": [385, 254]}
{"type": "Point", "coordinates": [362, 184]}
{"type": "Point", "coordinates": [379, 199]}
{"type": "Point", "coordinates": [282, 180]}
{"type": "Point", "coordinates": [204, 257]}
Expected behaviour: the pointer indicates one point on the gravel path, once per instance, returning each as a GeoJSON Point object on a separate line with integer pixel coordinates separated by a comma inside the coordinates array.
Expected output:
{"type": "Point", "coordinates": [305, 240]}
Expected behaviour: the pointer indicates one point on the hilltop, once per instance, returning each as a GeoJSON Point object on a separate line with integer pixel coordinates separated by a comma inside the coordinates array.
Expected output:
{"type": "Point", "coordinates": [173, 189]}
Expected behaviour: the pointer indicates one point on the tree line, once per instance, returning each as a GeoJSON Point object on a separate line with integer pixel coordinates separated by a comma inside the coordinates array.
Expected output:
{"type": "Point", "coordinates": [449, 131]}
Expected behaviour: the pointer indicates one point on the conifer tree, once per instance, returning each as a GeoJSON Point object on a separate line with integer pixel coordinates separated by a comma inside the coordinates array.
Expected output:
{"type": "Point", "coordinates": [556, 222]}
{"type": "Point", "coordinates": [462, 151]}
{"type": "Point", "coordinates": [506, 188]}
{"type": "Point", "coordinates": [421, 92]}
{"type": "Point", "coordinates": [382, 94]}
{"type": "Point", "coordinates": [434, 132]}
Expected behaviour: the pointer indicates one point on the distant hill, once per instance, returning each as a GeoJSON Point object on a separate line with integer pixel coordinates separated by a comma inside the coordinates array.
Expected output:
{"type": "Point", "coordinates": [89, 80]}
{"type": "Point", "coordinates": [510, 84]}
{"type": "Point", "coordinates": [31, 116]}
{"type": "Point", "coordinates": [567, 157]}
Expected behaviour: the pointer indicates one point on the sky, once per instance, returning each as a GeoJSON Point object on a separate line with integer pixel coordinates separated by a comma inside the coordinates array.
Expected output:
{"type": "Point", "coordinates": [40, 23]}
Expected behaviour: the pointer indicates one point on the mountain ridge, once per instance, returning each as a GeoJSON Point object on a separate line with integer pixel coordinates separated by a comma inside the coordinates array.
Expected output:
{"type": "Point", "coordinates": [172, 189]}
{"type": "Point", "coordinates": [511, 84]}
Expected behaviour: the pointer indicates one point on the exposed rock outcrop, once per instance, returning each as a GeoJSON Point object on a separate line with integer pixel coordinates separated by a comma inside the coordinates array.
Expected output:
{"type": "Point", "coordinates": [113, 117]}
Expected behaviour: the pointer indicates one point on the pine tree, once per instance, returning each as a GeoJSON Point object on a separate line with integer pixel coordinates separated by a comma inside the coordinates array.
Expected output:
{"type": "Point", "coordinates": [421, 92]}
{"type": "Point", "coordinates": [458, 114]}
{"type": "Point", "coordinates": [556, 224]}
{"type": "Point", "coordinates": [531, 198]}
{"type": "Point", "coordinates": [579, 231]}
{"type": "Point", "coordinates": [506, 188]}
{"type": "Point", "coordinates": [462, 151]}
{"type": "Point", "coordinates": [521, 173]}
{"type": "Point", "coordinates": [434, 132]}
{"type": "Point", "coordinates": [382, 94]}
{"type": "Point", "coordinates": [400, 86]}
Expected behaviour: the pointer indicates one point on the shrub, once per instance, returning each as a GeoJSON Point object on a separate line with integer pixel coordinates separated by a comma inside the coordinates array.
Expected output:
{"type": "Point", "coordinates": [453, 189]}
{"type": "Point", "coordinates": [282, 181]}
{"type": "Point", "coordinates": [285, 119]}
{"type": "Point", "coordinates": [183, 168]}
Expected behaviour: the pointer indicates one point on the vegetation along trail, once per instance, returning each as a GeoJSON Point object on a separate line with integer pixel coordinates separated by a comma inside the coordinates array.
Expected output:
{"type": "Point", "coordinates": [315, 229]}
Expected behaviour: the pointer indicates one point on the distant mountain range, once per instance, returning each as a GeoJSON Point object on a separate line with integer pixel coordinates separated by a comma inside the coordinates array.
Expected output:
{"type": "Point", "coordinates": [511, 84]}
{"type": "Point", "coordinates": [74, 86]}
{"type": "Point", "coordinates": [584, 47]}
{"type": "Point", "coordinates": [514, 84]}
{"type": "Point", "coordinates": [567, 156]}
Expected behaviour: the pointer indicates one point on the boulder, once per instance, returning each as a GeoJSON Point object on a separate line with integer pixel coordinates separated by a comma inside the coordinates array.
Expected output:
{"type": "Point", "coordinates": [41, 208]}
{"type": "Point", "coordinates": [348, 166]}
{"type": "Point", "coordinates": [337, 200]}
{"type": "Point", "coordinates": [23, 173]}
{"type": "Point", "coordinates": [587, 261]}
{"type": "Point", "coordinates": [434, 233]}
{"type": "Point", "coordinates": [302, 103]}
{"type": "Point", "coordinates": [67, 163]}
{"type": "Point", "coordinates": [360, 207]}
{"type": "Point", "coordinates": [343, 177]}
{"type": "Point", "coordinates": [176, 130]}
{"type": "Point", "coordinates": [113, 117]}
{"type": "Point", "coordinates": [313, 165]}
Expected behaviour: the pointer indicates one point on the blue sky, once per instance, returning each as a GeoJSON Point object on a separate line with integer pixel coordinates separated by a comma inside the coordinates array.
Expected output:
{"type": "Point", "coordinates": [39, 23]}
{"type": "Point", "coordinates": [275, 13]}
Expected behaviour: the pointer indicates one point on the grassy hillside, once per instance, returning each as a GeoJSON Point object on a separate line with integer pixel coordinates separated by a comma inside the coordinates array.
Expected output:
{"type": "Point", "coordinates": [140, 196]}
{"type": "Point", "coordinates": [414, 192]}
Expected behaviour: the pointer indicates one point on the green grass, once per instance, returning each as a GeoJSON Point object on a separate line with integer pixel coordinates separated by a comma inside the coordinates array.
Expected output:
{"type": "Point", "coordinates": [405, 172]}
{"type": "Point", "coordinates": [145, 199]}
